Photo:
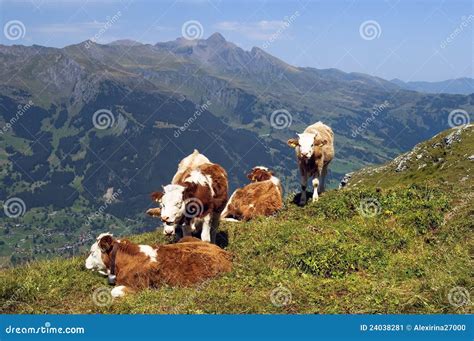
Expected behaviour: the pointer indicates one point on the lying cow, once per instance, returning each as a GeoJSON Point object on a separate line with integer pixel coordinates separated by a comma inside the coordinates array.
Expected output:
{"type": "Point", "coordinates": [314, 150]}
{"type": "Point", "coordinates": [190, 162]}
{"type": "Point", "coordinates": [133, 267]}
{"type": "Point", "coordinates": [262, 197]}
{"type": "Point", "coordinates": [196, 201]}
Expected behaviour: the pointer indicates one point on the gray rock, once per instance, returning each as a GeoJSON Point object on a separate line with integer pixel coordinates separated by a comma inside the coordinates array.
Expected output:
{"type": "Point", "coordinates": [345, 180]}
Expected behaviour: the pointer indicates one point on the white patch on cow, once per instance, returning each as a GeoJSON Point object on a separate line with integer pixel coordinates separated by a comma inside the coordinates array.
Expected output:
{"type": "Point", "coordinates": [232, 220]}
{"type": "Point", "coordinates": [226, 209]}
{"type": "Point", "coordinates": [118, 291]}
{"type": "Point", "coordinates": [149, 251]}
{"type": "Point", "coordinates": [261, 167]}
{"type": "Point", "coordinates": [306, 142]}
{"type": "Point", "coordinates": [172, 205]}
{"type": "Point", "coordinates": [198, 178]}
{"type": "Point", "coordinates": [94, 261]}
{"type": "Point", "coordinates": [275, 180]}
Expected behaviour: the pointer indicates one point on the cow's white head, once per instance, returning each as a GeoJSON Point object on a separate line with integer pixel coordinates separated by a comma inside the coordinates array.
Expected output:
{"type": "Point", "coordinates": [94, 261]}
{"type": "Point", "coordinates": [304, 144]}
{"type": "Point", "coordinates": [172, 204]}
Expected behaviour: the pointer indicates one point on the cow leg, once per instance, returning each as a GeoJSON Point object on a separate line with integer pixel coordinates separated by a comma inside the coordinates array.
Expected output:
{"type": "Point", "coordinates": [315, 183]}
{"type": "Point", "coordinates": [322, 179]}
{"type": "Point", "coordinates": [214, 226]}
{"type": "Point", "coordinates": [206, 229]}
{"type": "Point", "coordinates": [303, 182]}
{"type": "Point", "coordinates": [187, 229]}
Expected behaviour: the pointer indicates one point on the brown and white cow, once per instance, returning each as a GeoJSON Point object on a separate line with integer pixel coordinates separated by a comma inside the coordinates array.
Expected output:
{"type": "Point", "coordinates": [132, 267]}
{"type": "Point", "coordinates": [262, 197]}
{"type": "Point", "coordinates": [314, 150]}
{"type": "Point", "coordinates": [190, 162]}
{"type": "Point", "coordinates": [195, 201]}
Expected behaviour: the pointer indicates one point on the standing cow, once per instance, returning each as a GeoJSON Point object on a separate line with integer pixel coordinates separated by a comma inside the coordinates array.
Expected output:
{"type": "Point", "coordinates": [314, 150]}
{"type": "Point", "coordinates": [195, 201]}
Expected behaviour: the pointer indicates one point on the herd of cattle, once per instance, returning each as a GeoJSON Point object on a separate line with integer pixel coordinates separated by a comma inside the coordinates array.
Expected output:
{"type": "Point", "coordinates": [194, 202]}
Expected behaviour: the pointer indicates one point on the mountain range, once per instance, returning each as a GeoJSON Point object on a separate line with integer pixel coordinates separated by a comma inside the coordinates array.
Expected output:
{"type": "Point", "coordinates": [90, 130]}
{"type": "Point", "coordinates": [464, 86]}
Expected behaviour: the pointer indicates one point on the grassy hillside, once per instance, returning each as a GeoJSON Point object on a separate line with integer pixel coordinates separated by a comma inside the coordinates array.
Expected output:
{"type": "Point", "coordinates": [389, 242]}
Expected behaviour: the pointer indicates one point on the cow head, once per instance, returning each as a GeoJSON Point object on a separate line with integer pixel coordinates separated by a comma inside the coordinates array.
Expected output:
{"type": "Point", "coordinates": [307, 145]}
{"type": "Point", "coordinates": [94, 261]}
{"type": "Point", "coordinates": [172, 204]}
{"type": "Point", "coordinates": [259, 173]}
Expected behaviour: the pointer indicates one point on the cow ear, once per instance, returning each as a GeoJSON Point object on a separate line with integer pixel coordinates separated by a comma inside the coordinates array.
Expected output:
{"type": "Point", "coordinates": [105, 243]}
{"type": "Point", "coordinates": [156, 196]}
{"type": "Point", "coordinates": [293, 143]}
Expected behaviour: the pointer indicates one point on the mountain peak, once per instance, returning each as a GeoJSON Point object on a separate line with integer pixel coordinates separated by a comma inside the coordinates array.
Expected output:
{"type": "Point", "coordinates": [216, 38]}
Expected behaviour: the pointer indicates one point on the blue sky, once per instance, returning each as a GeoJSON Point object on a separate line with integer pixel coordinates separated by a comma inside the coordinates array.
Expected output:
{"type": "Point", "coordinates": [409, 37]}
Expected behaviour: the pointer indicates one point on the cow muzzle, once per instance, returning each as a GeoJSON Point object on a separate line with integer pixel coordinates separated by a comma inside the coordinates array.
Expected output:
{"type": "Point", "coordinates": [168, 229]}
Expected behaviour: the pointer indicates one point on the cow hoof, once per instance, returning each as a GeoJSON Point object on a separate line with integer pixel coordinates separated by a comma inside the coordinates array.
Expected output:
{"type": "Point", "coordinates": [118, 291]}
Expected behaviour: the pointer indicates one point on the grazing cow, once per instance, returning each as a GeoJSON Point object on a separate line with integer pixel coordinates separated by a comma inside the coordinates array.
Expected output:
{"type": "Point", "coordinates": [262, 197]}
{"type": "Point", "coordinates": [133, 267]}
{"type": "Point", "coordinates": [314, 150]}
{"type": "Point", "coordinates": [196, 201]}
{"type": "Point", "coordinates": [190, 162]}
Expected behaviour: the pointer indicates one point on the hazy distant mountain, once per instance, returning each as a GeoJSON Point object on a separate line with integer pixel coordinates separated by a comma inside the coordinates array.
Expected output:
{"type": "Point", "coordinates": [60, 164]}
{"type": "Point", "coordinates": [464, 86]}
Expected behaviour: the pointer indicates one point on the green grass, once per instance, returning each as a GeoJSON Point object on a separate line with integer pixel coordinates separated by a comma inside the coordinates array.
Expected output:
{"type": "Point", "coordinates": [388, 243]}
{"type": "Point", "coordinates": [329, 256]}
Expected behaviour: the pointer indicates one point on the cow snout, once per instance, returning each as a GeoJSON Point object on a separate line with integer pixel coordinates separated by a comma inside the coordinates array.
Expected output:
{"type": "Point", "coordinates": [168, 230]}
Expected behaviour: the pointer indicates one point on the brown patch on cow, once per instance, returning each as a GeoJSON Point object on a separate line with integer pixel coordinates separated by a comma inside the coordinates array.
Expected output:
{"type": "Point", "coordinates": [259, 174]}
{"type": "Point", "coordinates": [210, 203]}
{"type": "Point", "coordinates": [156, 196]}
{"type": "Point", "coordinates": [188, 262]}
{"type": "Point", "coordinates": [256, 199]}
